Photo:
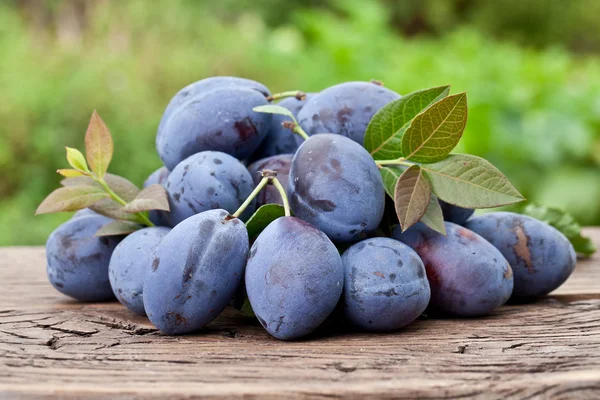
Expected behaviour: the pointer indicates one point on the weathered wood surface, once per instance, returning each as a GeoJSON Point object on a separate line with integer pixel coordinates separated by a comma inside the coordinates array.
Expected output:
{"type": "Point", "coordinates": [51, 346]}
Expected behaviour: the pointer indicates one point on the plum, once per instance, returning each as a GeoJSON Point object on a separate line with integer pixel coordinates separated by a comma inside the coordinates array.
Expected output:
{"type": "Point", "coordinates": [205, 181]}
{"type": "Point", "coordinates": [78, 261]}
{"type": "Point", "coordinates": [541, 257]}
{"type": "Point", "coordinates": [294, 278]}
{"type": "Point", "coordinates": [335, 185]}
{"type": "Point", "coordinates": [196, 271]}
{"type": "Point", "coordinates": [158, 217]}
{"type": "Point", "coordinates": [385, 286]}
{"type": "Point", "coordinates": [281, 140]}
{"type": "Point", "coordinates": [191, 91]}
{"type": "Point", "coordinates": [467, 275]}
{"type": "Point", "coordinates": [345, 109]}
{"type": "Point", "coordinates": [280, 163]}
{"type": "Point", "coordinates": [221, 120]}
{"type": "Point", "coordinates": [455, 214]}
{"type": "Point", "coordinates": [130, 263]}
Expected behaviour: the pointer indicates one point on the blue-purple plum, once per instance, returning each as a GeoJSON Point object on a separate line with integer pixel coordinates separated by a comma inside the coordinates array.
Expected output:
{"type": "Point", "coordinates": [541, 257]}
{"type": "Point", "coordinates": [158, 217]}
{"type": "Point", "coordinates": [129, 264]}
{"type": "Point", "coordinates": [281, 140]}
{"type": "Point", "coordinates": [467, 275]}
{"type": "Point", "coordinates": [207, 181]}
{"type": "Point", "coordinates": [78, 261]}
{"type": "Point", "coordinates": [455, 214]}
{"type": "Point", "coordinates": [294, 278]}
{"type": "Point", "coordinates": [335, 185]}
{"type": "Point", "coordinates": [219, 120]}
{"type": "Point", "coordinates": [280, 163]}
{"type": "Point", "coordinates": [385, 286]}
{"type": "Point", "coordinates": [345, 109]}
{"type": "Point", "coordinates": [196, 271]}
{"type": "Point", "coordinates": [204, 86]}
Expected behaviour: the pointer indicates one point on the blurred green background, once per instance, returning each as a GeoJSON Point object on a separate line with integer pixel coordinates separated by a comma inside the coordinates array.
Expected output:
{"type": "Point", "coordinates": [531, 70]}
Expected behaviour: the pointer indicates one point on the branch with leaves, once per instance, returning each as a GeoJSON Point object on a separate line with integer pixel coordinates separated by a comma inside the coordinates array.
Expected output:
{"type": "Point", "coordinates": [88, 185]}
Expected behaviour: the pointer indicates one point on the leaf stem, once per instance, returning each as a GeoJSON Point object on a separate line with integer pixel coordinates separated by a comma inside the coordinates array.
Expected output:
{"type": "Point", "coordinates": [140, 215]}
{"type": "Point", "coordinates": [280, 188]}
{"type": "Point", "coordinates": [298, 94]}
{"type": "Point", "coordinates": [398, 161]}
{"type": "Point", "coordinates": [251, 197]}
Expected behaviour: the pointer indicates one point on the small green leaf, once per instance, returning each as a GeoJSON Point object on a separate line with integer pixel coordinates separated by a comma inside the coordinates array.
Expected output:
{"type": "Point", "coordinates": [263, 217]}
{"type": "Point", "coordinates": [246, 309]}
{"type": "Point", "coordinates": [121, 186]}
{"type": "Point", "coordinates": [436, 131]}
{"type": "Point", "coordinates": [116, 228]}
{"type": "Point", "coordinates": [98, 145]}
{"type": "Point", "coordinates": [71, 199]}
{"type": "Point", "coordinates": [433, 217]}
{"type": "Point", "coordinates": [153, 197]}
{"type": "Point", "coordinates": [273, 109]}
{"type": "Point", "coordinates": [411, 196]}
{"type": "Point", "coordinates": [471, 182]}
{"type": "Point", "coordinates": [69, 173]}
{"type": "Point", "coordinates": [390, 176]}
{"type": "Point", "coordinates": [76, 159]}
{"type": "Point", "coordinates": [383, 138]}
{"type": "Point", "coordinates": [565, 223]}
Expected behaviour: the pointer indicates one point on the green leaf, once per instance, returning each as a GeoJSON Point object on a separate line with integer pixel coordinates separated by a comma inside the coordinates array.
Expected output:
{"type": "Point", "coordinates": [273, 109]}
{"type": "Point", "coordinates": [76, 159]}
{"type": "Point", "coordinates": [246, 309]}
{"type": "Point", "coordinates": [565, 223]}
{"type": "Point", "coordinates": [121, 186]}
{"type": "Point", "coordinates": [433, 217]}
{"type": "Point", "coordinates": [383, 137]}
{"type": "Point", "coordinates": [263, 217]}
{"type": "Point", "coordinates": [116, 228]}
{"type": "Point", "coordinates": [411, 197]}
{"type": "Point", "coordinates": [471, 182]}
{"type": "Point", "coordinates": [71, 199]}
{"type": "Point", "coordinates": [153, 197]}
{"type": "Point", "coordinates": [390, 176]}
{"type": "Point", "coordinates": [110, 208]}
{"type": "Point", "coordinates": [436, 131]}
{"type": "Point", "coordinates": [69, 173]}
{"type": "Point", "coordinates": [98, 145]}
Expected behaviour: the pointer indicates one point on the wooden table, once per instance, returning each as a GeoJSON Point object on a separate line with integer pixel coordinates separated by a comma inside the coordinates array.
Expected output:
{"type": "Point", "coordinates": [52, 346]}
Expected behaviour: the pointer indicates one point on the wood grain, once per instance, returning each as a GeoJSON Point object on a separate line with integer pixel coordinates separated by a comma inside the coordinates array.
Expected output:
{"type": "Point", "coordinates": [51, 346]}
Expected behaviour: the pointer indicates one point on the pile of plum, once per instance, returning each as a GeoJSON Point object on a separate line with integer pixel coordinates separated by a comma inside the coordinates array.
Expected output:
{"type": "Point", "coordinates": [342, 252]}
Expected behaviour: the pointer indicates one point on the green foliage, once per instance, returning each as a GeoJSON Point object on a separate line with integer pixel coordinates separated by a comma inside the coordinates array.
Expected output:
{"type": "Point", "coordinates": [534, 114]}
{"type": "Point", "coordinates": [261, 218]}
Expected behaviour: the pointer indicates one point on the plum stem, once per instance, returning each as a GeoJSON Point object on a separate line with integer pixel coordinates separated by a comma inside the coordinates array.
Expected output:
{"type": "Point", "coordinates": [263, 182]}
{"type": "Point", "coordinates": [280, 188]}
{"type": "Point", "coordinates": [298, 94]}
{"type": "Point", "coordinates": [296, 128]}
{"type": "Point", "coordinates": [397, 161]}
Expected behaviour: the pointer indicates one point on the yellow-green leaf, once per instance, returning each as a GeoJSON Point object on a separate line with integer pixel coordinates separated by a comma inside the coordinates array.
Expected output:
{"type": "Point", "coordinates": [76, 159]}
{"type": "Point", "coordinates": [433, 217]}
{"type": "Point", "coordinates": [411, 196]}
{"type": "Point", "coordinates": [69, 173]}
{"type": "Point", "coordinates": [436, 131]}
{"type": "Point", "coordinates": [121, 186]}
{"type": "Point", "coordinates": [98, 145]}
{"type": "Point", "coordinates": [71, 198]}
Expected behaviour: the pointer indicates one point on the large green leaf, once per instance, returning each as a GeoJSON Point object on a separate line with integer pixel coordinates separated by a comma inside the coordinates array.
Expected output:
{"type": "Point", "coordinates": [121, 186]}
{"type": "Point", "coordinates": [470, 181]}
{"type": "Point", "coordinates": [436, 131]}
{"type": "Point", "coordinates": [383, 137]}
{"type": "Point", "coordinates": [411, 196]}
{"type": "Point", "coordinates": [390, 176]}
{"type": "Point", "coordinates": [433, 217]}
